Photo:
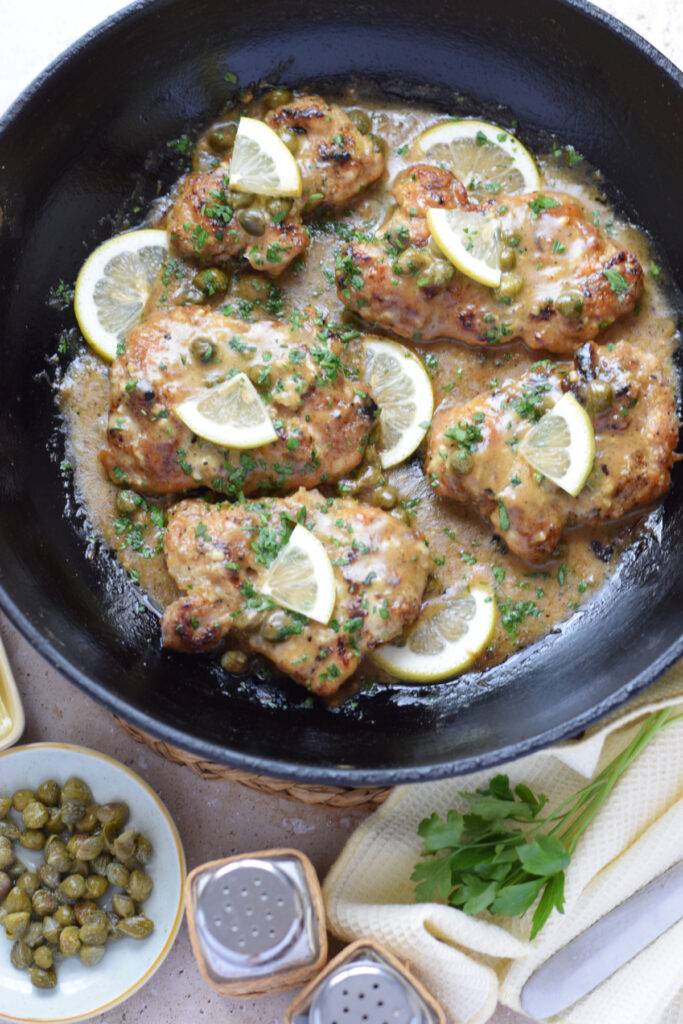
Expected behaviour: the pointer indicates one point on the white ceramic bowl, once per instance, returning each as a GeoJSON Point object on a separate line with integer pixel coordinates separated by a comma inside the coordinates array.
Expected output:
{"type": "Point", "coordinates": [82, 992]}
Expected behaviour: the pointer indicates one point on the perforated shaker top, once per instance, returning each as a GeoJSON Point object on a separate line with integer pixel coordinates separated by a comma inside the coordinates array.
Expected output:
{"type": "Point", "coordinates": [363, 992]}
{"type": "Point", "coordinates": [252, 910]}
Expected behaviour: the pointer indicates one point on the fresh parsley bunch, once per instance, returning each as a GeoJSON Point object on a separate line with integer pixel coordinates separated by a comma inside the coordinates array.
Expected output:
{"type": "Point", "coordinates": [482, 861]}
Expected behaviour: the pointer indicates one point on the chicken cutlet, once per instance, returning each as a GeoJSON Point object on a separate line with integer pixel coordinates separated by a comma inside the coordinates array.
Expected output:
{"type": "Point", "coordinates": [336, 162]}
{"type": "Point", "coordinates": [565, 280]}
{"type": "Point", "coordinates": [219, 556]}
{"type": "Point", "coordinates": [473, 448]}
{"type": "Point", "coordinates": [322, 422]}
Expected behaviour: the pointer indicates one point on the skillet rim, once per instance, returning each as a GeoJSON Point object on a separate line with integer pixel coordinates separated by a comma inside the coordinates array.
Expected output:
{"type": "Point", "coordinates": [288, 769]}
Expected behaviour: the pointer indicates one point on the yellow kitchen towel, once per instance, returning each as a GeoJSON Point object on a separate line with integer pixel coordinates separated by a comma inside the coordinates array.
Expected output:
{"type": "Point", "coordinates": [471, 963]}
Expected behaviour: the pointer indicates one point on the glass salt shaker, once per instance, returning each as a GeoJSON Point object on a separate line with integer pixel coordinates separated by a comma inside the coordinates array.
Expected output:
{"type": "Point", "coordinates": [257, 922]}
{"type": "Point", "coordinates": [365, 984]}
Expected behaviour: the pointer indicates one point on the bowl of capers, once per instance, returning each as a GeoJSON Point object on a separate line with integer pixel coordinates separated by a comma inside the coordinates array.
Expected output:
{"type": "Point", "coordinates": [91, 882]}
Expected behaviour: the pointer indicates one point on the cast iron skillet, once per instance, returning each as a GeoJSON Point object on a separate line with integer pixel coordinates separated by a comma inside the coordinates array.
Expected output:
{"type": "Point", "coordinates": [81, 143]}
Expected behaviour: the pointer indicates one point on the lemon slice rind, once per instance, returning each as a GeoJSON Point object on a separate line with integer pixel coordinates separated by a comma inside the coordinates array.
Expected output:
{"type": "Point", "coordinates": [562, 445]}
{"type": "Point", "coordinates": [261, 163]}
{"type": "Point", "coordinates": [470, 240]}
{"type": "Point", "coordinates": [231, 415]}
{"type": "Point", "coordinates": [114, 284]}
{"type": "Point", "coordinates": [445, 643]}
{"type": "Point", "coordinates": [486, 158]}
{"type": "Point", "coordinates": [301, 578]}
{"type": "Point", "coordinates": [399, 383]}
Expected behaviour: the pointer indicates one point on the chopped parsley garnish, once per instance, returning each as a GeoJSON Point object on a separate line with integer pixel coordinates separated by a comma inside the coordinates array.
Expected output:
{"type": "Point", "coordinates": [541, 203]}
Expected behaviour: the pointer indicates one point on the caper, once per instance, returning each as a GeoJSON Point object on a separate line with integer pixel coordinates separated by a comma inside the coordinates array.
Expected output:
{"type": "Point", "coordinates": [249, 619]}
{"type": "Point", "coordinates": [42, 957]}
{"type": "Point", "coordinates": [89, 820]}
{"type": "Point", "coordinates": [460, 461]}
{"type": "Point", "coordinates": [94, 931]}
{"type": "Point", "coordinates": [99, 865]}
{"type": "Point", "coordinates": [48, 793]}
{"type": "Point", "coordinates": [118, 874]}
{"type": "Point", "coordinates": [379, 144]}
{"type": "Point", "coordinates": [240, 200]}
{"type": "Point", "coordinates": [64, 915]}
{"type": "Point", "coordinates": [96, 886]}
{"type": "Point", "coordinates": [89, 847]}
{"type": "Point", "coordinates": [250, 287]}
{"type": "Point", "coordinates": [69, 941]}
{"type": "Point", "coordinates": [44, 902]}
{"type": "Point", "coordinates": [143, 849]}
{"type": "Point", "coordinates": [277, 98]}
{"type": "Point", "coordinates": [22, 798]}
{"type": "Point", "coordinates": [72, 811]}
{"type": "Point", "coordinates": [278, 209]}
{"type": "Point", "coordinates": [413, 260]}
{"type": "Point", "coordinates": [211, 280]}
{"type": "Point", "coordinates": [83, 910]}
{"type": "Point", "coordinates": [123, 905]}
{"type": "Point", "coordinates": [116, 813]}
{"type": "Point", "coordinates": [21, 955]}
{"type": "Point", "coordinates": [28, 882]}
{"type": "Point", "coordinates": [76, 789]}
{"type": "Point", "coordinates": [57, 855]}
{"type": "Point", "coordinates": [73, 842]}
{"type": "Point", "coordinates": [127, 501]}
{"type": "Point", "coordinates": [222, 136]}
{"type": "Point", "coordinates": [51, 929]}
{"type": "Point", "coordinates": [80, 867]}
{"type": "Point", "coordinates": [16, 925]}
{"type": "Point", "coordinates": [16, 900]}
{"type": "Point", "coordinates": [5, 804]}
{"type": "Point", "coordinates": [137, 927]}
{"type": "Point", "coordinates": [34, 934]}
{"type": "Point", "coordinates": [9, 830]}
{"type": "Point", "coordinates": [91, 955]}
{"type": "Point", "coordinates": [55, 822]}
{"type": "Point", "coordinates": [398, 237]}
{"type": "Point", "coordinates": [17, 869]}
{"type": "Point", "coordinates": [41, 978]}
{"type": "Point", "coordinates": [252, 220]}
{"type": "Point", "coordinates": [123, 847]}
{"type": "Point", "coordinates": [7, 857]}
{"type": "Point", "coordinates": [507, 259]}
{"type": "Point", "coordinates": [599, 395]}
{"type": "Point", "coordinates": [510, 286]}
{"type": "Point", "coordinates": [72, 887]}
{"type": "Point", "coordinates": [5, 884]}
{"type": "Point", "coordinates": [569, 304]}
{"type": "Point", "coordinates": [292, 140]}
{"type": "Point", "coordinates": [49, 875]}
{"type": "Point", "coordinates": [276, 625]}
{"type": "Point", "coordinates": [139, 885]}
{"type": "Point", "coordinates": [235, 662]}
{"type": "Point", "coordinates": [202, 349]}
{"type": "Point", "coordinates": [384, 497]}
{"type": "Point", "coordinates": [439, 274]}
{"type": "Point", "coordinates": [361, 121]}
{"type": "Point", "coordinates": [32, 839]}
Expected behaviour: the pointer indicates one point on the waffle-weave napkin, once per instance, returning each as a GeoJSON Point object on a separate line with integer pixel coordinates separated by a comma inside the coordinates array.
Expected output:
{"type": "Point", "coordinates": [471, 963]}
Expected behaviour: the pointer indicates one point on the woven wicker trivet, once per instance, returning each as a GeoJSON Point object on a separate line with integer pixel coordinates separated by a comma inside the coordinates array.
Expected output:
{"type": "Point", "coordinates": [322, 796]}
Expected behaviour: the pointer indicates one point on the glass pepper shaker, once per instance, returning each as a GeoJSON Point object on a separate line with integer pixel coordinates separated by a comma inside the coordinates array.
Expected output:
{"type": "Point", "coordinates": [365, 984]}
{"type": "Point", "coordinates": [257, 922]}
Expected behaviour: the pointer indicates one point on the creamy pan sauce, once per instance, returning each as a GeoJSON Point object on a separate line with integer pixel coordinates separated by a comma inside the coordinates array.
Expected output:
{"type": "Point", "coordinates": [531, 599]}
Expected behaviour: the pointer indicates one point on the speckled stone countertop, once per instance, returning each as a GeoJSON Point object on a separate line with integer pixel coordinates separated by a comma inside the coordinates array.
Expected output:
{"type": "Point", "coordinates": [214, 818]}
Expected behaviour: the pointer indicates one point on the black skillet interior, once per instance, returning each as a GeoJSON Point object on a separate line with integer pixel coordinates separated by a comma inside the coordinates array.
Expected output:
{"type": "Point", "coordinates": [86, 142]}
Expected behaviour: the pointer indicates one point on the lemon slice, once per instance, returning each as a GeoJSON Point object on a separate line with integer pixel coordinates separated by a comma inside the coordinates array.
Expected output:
{"type": "Point", "coordinates": [471, 241]}
{"type": "Point", "coordinates": [445, 640]}
{"type": "Point", "coordinates": [562, 445]}
{"type": "Point", "coordinates": [231, 414]}
{"type": "Point", "coordinates": [261, 163]}
{"type": "Point", "coordinates": [485, 158]}
{"type": "Point", "coordinates": [399, 384]}
{"type": "Point", "coordinates": [114, 284]}
{"type": "Point", "coordinates": [302, 579]}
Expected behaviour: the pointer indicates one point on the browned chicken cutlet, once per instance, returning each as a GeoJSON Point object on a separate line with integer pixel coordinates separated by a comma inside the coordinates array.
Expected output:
{"type": "Point", "coordinates": [574, 281]}
{"type": "Point", "coordinates": [336, 162]}
{"type": "Point", "coordinates": [473, 448]}
{"type": "Point", "coordinates": [219, 555]}
{"type": "Point", "coordinates": [322, 422]}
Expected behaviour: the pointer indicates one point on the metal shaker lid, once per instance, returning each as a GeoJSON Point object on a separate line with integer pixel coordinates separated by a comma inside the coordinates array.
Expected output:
{"type": "Point", "coordinates": [251, 910]}
{"type": "Point", "coordinates": [366, 992]}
